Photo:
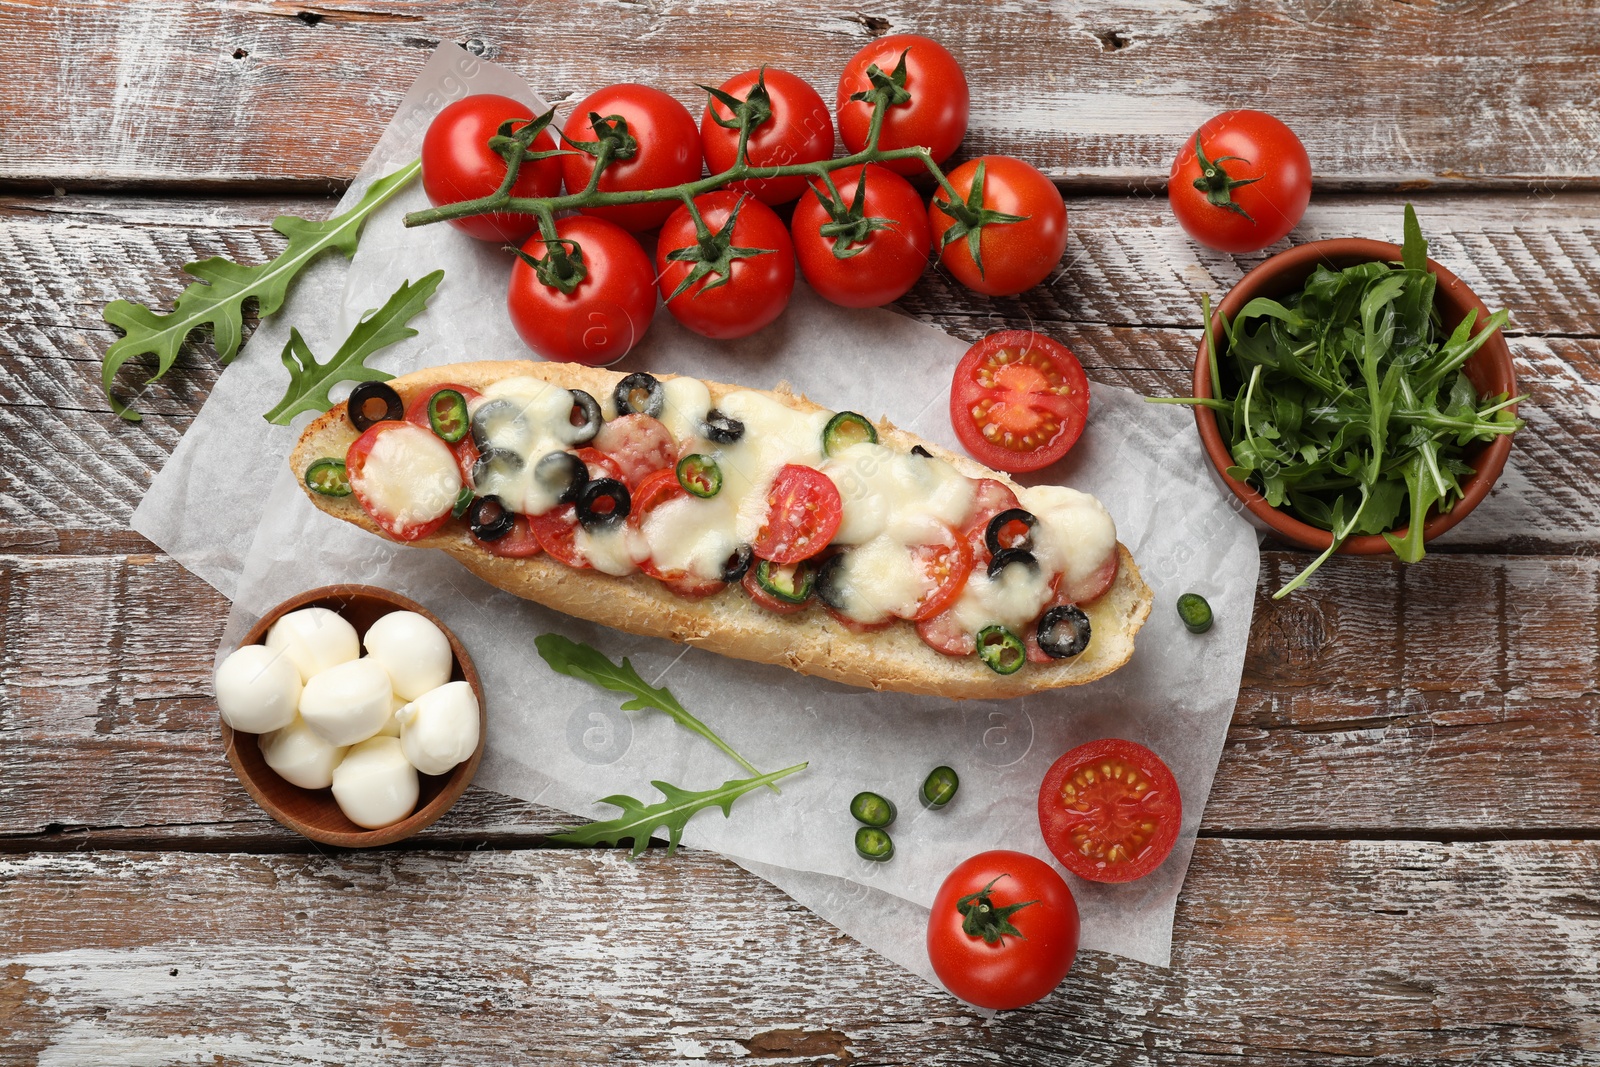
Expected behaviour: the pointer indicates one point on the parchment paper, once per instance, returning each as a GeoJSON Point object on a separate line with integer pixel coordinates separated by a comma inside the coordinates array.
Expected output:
{"type": "Point", "coordinates": [563, 743]}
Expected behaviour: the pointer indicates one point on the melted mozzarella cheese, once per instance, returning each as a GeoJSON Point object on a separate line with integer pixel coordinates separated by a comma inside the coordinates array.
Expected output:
{"type": "Point", "coordinates": [775, 435]}
{"type": "Point", "coordinates": [686, 402]}
{"type": "Point", "coordinates": [410, 476]}
{"type": "Point", "coordinates": [911, 498]}
{"type": "Point", "coordinates": [612, 549]}
{"type": "Point", "coordinates": [1074, 534]}
{"type": "Point", "coordinates": [692, 535]}
{"type": "Point", "coordinates": [877, 580]}
{"type": "Point", "coordinates": [1013, 599]}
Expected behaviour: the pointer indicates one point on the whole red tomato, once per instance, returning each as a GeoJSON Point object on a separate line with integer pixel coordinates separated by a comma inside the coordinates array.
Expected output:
{"type": "Point", "coordinates": [800, 130]}
{"type": "Point", "coordinates": [666, 150]}
{"type": "Point", "coordinates": [605, 315]}
{"type": "Point", "coordinates": [1003, 931]}
{"type": "Point", "coordinates": [882, 256]}
{"type": "Point", "coordinates": [1241, 182]}
{"type": "Point", "coordinates": [753, 254]}
{"type": "Point", "coordinates": [1020, 219]}
{"type": "Point", "coordinates": [934, 117]}
{"type": "Point", "coordinates": [457, 164]}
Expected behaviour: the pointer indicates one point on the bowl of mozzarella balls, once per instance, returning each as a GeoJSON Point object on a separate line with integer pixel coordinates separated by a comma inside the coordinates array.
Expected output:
{"type": "Point", "coordinates": [351, 715]}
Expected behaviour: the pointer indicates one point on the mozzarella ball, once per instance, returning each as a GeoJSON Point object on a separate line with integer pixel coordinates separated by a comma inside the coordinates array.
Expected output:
{"type": "Point", "coordinates": [299, 756]}
{"type": "Point", "coordinates": [375, 785]}
{"type": "Point", "coordinates": [391, 725]}
{"type": "Point", "coordinates": [257, 689]}
{"type": "Point", "coordinates": [315, 639]}
{"type": "Point", "coordinates": [413, 650]}
{"type": "Point", "coordinates": [348, 703]}
{"type": "Point", "coordinates": [440, 728]}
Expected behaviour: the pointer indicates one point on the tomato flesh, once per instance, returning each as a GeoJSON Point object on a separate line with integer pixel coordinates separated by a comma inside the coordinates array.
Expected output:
{"type": "Point", "coordinates": [946, 568]}
{"type": "Point", "coordinates": [803, 513]}
{"type": "Point", "coordinates": [1110, 810]}
{"type": "Point", "coordinates": [557, 533]}
{"type": "Point", "coordinates": [1018, 401]}
{"type": "Point", "coordinates": [520, 543]}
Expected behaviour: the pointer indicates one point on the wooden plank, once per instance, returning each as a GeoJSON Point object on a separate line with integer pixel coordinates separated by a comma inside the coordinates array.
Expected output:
{"type": "Point", "coordinates": [1127, 302]}
{"type": "Point", "coordinates": [1452, 699]}
{"type": "Point", "coordinates": [1405, 953]}
{"type": "Point", "coordinates": [1100, 97]}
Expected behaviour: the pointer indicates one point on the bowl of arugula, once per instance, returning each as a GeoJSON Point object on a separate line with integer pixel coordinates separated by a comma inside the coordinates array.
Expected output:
{"type": "Point", "coordinates": [1365, 398]}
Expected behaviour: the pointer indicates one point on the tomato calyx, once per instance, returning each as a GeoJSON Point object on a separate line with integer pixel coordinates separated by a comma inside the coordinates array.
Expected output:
{"type": "Point", "coordinates": [1215, 181]}
{"type": "Point", "coordinates": [850, 227]}
{"type": "Point", "coordinates": [513, 144]}
{"type": "Point", "coordinates": [613, 141]}
{"type": "Point", "coordinates": [980, 917]}
{"type": "Point", "coordinates": [971, 217]}
{"type": "Point", "coordinates": [890, 89]}
{"type": "Point", "coordinates": [744, 115]}
{"type": "Point", "coordinates": [561, 267]}
{"type": "Point", "coordinates": [713, 254]}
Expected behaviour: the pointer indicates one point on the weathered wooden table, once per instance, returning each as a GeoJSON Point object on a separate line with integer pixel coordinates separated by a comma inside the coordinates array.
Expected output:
{"type": "Point", "coordinates": [1398, 862]}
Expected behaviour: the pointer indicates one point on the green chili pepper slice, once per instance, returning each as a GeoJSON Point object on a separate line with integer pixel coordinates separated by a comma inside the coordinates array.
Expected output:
{"type": "Point", "coordinates": [846, 429]}
{"type": "Point", "coordinates": [700, 475]}
{"type": "Point", "coordinates": [447, 414]}
{"type": "Point", "coordinates": [1195, 612]}
{"type": "Point", "coordinates": [940, 787]}
{"type": "Point", "coordinates": [463, 502]}
{"type": "Point", "coordinates": [1001, 650]}
{"type": "Point", "coordinates": [871, 809]}
{"type": "Point", "coordinates": [874, 844]}
{"type": "Point", "coordinates": [329, 477]}
{"type": "Point", "coordinates": [791, 583]}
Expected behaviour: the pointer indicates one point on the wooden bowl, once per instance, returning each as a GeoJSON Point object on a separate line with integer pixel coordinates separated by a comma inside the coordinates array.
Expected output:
{"type": "Point", "coordinates": [1489, 370]}
{"type": "Point", "coordinates": [314, 812]}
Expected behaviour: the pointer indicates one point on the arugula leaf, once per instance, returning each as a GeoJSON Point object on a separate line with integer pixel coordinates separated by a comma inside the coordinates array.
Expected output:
{"type": "Point", "coordinates": [217, 299]}
{"type": "Point", "coordinates": [586, 663]}
{"type": "Point", "coordinates": [1414, 252]}
{"type": "Point", "coordinates": [638, 821]}
{"type": "Point", "coordinates": [309, 381]}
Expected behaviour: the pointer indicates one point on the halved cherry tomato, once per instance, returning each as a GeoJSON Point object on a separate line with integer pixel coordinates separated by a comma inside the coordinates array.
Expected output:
{"type": "Point", "coordinates": [600, 465]}
{"type": "Point", "coordinates": [1110, 810]}
{"type": "Point", "coordinates": [356, 459]}
{"type": "Point", "coordinates": [1018, 400]}
{"type": "Point", "coordinates": [655, 489]}
{"type": "Point", "coordinates": [803, 514]}
{"type": "Point", "coordinates": [520, 543]}
{"type": "Point", "coordinates": [946, 567]}
{"type": "Point", "coordinates": [639, 444]}
{"type": "Point", "coordinates": [556, 531]}
{"type": "Point", "coordinates": [417, 414]}
{"type": "Point", "coordinates": [944, 633]}
{"type": "Point", "coordinates": [989, 498]}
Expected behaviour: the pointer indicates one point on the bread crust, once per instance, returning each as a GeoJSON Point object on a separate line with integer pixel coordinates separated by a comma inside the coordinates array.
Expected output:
{"type": "Point", "coordinates": [730, 623]}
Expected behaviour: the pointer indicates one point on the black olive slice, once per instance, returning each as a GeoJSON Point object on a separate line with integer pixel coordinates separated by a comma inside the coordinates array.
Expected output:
{"type": "Point", "coordinates": [1008, 556]}
{"type": "Point", "coordinates": [830, 582]}
{"type": "Point", "coordinates": [501, 424]}
{"type": "Point", "coordinates": [364, 405]}
{"type": "Point", "coordinates": [586, 417]}
{"type": "Point", "coordinates": [723, 429]}
{"type": "Point", "coordinates": [640, 394]}
{"type": "Point", "coordinates": [991, 535]}
{"type": "Point", "coordinates": [918, 450]}
{"type": "Point", "coordinates": [602, 503]}
{"type": "Point", "coordinates": [1063, 631]}
{"type": "Point", "coordinates": [490, 519]}
{"type": "Point", "coordinates": [738, 563]}
{"type": "Point", "coordinates": [493, 462]}
{"type": "Point", "coordinates": [562, 474]}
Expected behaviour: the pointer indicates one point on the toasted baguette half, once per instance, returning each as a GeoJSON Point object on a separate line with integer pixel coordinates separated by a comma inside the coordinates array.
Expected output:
{"type": "Point", "coordinates": [811, 642]}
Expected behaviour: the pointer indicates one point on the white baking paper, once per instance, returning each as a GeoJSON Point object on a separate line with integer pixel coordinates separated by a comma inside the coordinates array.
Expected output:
{"type": "Point", "coordinates": [228, 508]}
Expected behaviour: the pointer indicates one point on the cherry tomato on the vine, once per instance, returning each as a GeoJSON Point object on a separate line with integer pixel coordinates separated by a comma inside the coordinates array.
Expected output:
{"type": "Point", "coordinates": [748, 276]}
{"type": "Point", "coordinates": [457, 164]}
{"type": "Point", "coordinates": [881, 259]}
{"type": "Point", "coordinates": [1003, 931]}
{"type": "Point", "coordinates": [934, 117]}
{"type": "Point", "coordinates": [1110, 810]}
{"type": "Point", "coordinates": [665, 150]}
{"type": "Point", "coordinates": [1020, 219]}
{"type": "Point", "coordinates": [1241, 182]}
{"type": "Point", "coordinates": [800, 130]}
{"type": "Point", "coordinates": [1018, 400]}
{"type": "Point", "coordinates": [605, 315]}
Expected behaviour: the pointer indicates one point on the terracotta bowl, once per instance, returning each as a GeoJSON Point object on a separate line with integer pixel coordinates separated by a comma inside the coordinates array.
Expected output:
{"type": "Point", "coordinates": [1489, 370]}
{"type": "Point", "coordinates": [313, 812]}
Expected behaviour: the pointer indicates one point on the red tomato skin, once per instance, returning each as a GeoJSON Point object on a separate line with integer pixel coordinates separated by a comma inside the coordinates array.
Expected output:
{"type": "Point", "coordinates": [668, 152]}
{"type": "Point", "coordinates": [1267, 149]}
{"type": "Point", "coordinates": [465, 449]}
{"type": "Point", "coordinates": [556, 531]}
{"type": "Point", "coordinates": [1018, 970]}
{"type": "Point", "coordinates": [936, 115]}
{"type": "Point", "coordinates": [892, 259]}
{"type": "Point", "coordinates": [457, 165]}
{"type": "Point", "coordinates": [758, 287]}
{"type": "Point", "coordinates": [520, 543]}
{"type": "Point", "coordinates": [1055, 826]}
{"type": "Point", "coordinates": [800, 131]}
{"type": "Point", "coordinates": [1016, 255]}
{"type": "Point", "coordinates": [1072, 411]}
{"type": "Point", "coordinates": [356, 460]}
{"type": "Point", "coordinates": [605, 316]}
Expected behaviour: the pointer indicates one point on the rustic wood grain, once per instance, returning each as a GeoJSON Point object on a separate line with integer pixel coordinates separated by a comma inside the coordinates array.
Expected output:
{"type": "Point", "coordinates": [1455, 698]}
{"type": "Point", "coordinates": [1459, 94]}
{"type": "Point", "coordinates": [1478, 952]}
